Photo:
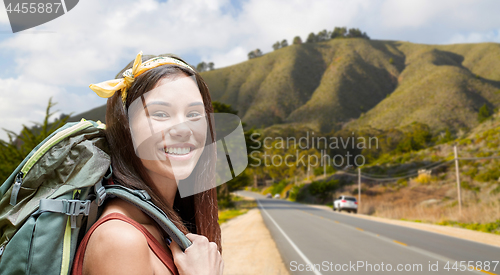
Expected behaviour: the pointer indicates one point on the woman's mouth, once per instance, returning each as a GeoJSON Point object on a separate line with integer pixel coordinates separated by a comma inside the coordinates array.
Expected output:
{"type": "Point", "coordinates": [179, 151]}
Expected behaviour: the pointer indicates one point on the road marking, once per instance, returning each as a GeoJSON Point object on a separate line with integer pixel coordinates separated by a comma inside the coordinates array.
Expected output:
{"type": "Point", "coordinates": [400, 243]}
{"type": "Point", "coordinates": [302, 255]}
{"type": "Point", "coordinates": [359, 229]}
{"type": "Point", "coordinates": [413, 248]}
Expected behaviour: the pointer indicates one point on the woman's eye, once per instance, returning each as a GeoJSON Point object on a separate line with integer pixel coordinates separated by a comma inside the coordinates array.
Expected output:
{"type": "Point", "coordinates": [194, 115]}
{"type": "Point", "coordinates": [160, 115]}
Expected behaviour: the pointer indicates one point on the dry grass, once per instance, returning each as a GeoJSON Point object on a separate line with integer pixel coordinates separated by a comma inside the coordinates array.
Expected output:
{"type": "Point", "coordinates": [241, 206]}
{"type": "Point", "coordinates": [435, 202]}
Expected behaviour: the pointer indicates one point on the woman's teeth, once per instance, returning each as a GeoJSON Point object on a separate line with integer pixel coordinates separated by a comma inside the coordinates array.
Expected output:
{"type": "Point", "coordinates": [178, 151]}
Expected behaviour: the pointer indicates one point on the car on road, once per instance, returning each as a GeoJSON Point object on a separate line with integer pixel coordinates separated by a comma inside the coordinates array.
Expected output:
{"type": "Point", "coordinates": [269, 196]}
{"type": "Point", "coordinates": [277, 196]}
{"type": "Point", "coordinates": [345, 203]}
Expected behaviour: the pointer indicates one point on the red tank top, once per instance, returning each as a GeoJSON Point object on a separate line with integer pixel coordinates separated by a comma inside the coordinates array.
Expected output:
{"type": "Point", "coordinates": [152, 242]}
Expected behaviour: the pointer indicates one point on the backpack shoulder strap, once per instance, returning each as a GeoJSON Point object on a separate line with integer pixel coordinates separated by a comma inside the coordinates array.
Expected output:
{"type": "Point", "coordinates": [142, 200]}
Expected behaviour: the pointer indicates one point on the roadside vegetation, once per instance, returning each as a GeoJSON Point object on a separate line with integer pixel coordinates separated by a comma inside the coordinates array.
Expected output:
{"type": "Point", "coordinates": [428, 196]}
{"type": "Point", "coordinates": [239, 207]}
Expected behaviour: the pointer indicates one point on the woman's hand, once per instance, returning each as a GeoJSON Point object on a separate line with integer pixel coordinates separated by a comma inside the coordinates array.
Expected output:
{"type": "Point", "coordinates": [202, 257]}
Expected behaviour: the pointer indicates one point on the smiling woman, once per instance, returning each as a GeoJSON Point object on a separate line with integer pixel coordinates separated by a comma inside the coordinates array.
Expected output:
{"type": "Point", "coordinates": [157, 129]}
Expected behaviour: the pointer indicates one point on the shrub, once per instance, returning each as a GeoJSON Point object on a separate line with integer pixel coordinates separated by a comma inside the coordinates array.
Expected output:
{"type": "Point", "coordinates": [465, 185]}
{"type": "Point", "coordinates": [318, 171]}
{"type": "Point", "coordinates": [297, 193]}
{"type": "Point", "coordinates": [322, 189]}
{"type": "Point", "coordinates": [277, 188]}
{"type": "Point", "coordinates": [402, 182]}
{"type": "Point", "coordinates": [423, 179]}
{"type": "Point", "coordinates": [484, 113]}
{"type": "Point", "coordinates": [488, 175]}
{"type": "Point", "coordinates": [225, 203]}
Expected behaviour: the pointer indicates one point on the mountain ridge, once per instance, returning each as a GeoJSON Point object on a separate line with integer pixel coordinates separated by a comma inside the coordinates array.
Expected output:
{"type": "Point", "coordinates": [356, 83]}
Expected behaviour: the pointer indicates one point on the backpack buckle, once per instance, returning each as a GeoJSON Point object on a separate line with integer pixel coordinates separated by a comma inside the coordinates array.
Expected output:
{"type": "Point", "coordinates": [76, 207]}
{"type": "Point", "coordinates": [101, 195]}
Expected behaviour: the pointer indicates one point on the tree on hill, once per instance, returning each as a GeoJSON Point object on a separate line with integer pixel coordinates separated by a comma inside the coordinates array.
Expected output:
{"type": "Point", "coordinates": [223, 108]}
{"type": "Point", "coordinates": [338, 32]}
{"type": "Point", "coordinates": [276, 45]}
{"type": "Point", "coordinates": [297, 40]}
{"type": "Point", "coordinates": [203, 66]}
{"type": "Point", "coordinates": [484, 113]}
{"type": "Point", "coordinates": [284, 43]}
{"type": "Point", "coordinates": [311, 38]}
{"type": "Point", "coordinates": [356, 33]}
{"type": "Point", "coordinates": [255, 53]}
{"type": "Point", "coordinates": [416, 137]}
{"type": "Point", "coordinates": [323, 36]}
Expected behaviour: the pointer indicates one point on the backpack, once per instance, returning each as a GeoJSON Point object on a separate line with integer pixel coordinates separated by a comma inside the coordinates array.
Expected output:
{"type": "Point", "coordinates": [55, 195]}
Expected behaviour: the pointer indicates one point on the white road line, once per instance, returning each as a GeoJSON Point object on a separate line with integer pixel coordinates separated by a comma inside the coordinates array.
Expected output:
{"type": "Point", "coordinates": [302, 255]}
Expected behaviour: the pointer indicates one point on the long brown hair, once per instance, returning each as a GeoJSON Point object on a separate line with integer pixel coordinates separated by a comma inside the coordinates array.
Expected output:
{"type": "Point", "coordinates": [196, 214]}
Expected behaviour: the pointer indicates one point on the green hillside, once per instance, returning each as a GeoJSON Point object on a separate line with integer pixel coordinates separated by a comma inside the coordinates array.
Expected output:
{"type": "Point", "coordinates": [358, 83]}
{"type": "Point", "coordinates": [319, 84]}
{"type": "Point", "coordinates": [442, 86]}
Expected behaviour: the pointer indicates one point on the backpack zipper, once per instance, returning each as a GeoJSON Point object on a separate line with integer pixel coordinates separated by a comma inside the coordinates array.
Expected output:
{"type": "Point", "coordinates": [41, 151]}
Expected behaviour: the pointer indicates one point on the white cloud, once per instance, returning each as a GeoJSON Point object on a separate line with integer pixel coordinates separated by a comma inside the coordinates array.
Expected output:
{"type": "Point", "coordinates": [474, 37]}
{"type": "Point", "coordinates": [24, 101]}
{"type": "Point", "coordinates": [4, 18]}
{"type": "Point", "coordinates": [97, 38]}
{"type": "Point", "coordinates": [227, 58]}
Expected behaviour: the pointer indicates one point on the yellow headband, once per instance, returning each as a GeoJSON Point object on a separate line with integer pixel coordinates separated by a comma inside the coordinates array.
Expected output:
{"type": "Point", "coordinates": [108, 88]}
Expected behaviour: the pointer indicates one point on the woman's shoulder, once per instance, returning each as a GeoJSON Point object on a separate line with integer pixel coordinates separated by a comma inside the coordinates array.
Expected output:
{"type": "Point", "coordinates": [116, 246]}
{"type": "Point", "coordinates": [117, 236]}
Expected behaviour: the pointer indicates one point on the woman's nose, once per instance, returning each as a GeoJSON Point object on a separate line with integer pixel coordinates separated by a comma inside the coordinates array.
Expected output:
{"type": "Point", "coordinates": [180, 130]}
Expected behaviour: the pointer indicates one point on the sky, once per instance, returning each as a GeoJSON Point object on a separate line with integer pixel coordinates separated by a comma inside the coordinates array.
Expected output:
{"type": "Point", "coordinates": [96, 39]}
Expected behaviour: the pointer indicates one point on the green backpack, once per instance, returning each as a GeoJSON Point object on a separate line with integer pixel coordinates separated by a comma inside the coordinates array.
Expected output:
{"type": "Point", "coordinates": [57, 191]}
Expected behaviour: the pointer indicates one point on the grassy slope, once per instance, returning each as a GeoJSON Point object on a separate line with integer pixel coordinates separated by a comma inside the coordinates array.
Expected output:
{"type": "Point", "coordinates": [267, 89]}
{"type": "Point", "coordinates": [324, 86]}
{"type": "Point", "coordinates": [443, 86]}
{"type": "Point", "coordinates": [319, 85]}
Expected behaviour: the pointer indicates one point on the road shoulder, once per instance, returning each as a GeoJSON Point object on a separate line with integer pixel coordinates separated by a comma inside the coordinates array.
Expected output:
{"type": "Point", "coordinates": [248, 248]}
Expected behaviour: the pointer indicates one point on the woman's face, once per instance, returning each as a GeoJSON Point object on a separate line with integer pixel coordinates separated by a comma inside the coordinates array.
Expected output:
{"type": "Point", "coordinates": [169, 127]}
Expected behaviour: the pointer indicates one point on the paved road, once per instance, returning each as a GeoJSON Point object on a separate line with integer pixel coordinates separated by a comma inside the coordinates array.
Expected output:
{"type": "Point", "coordinates": [329, 242]}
